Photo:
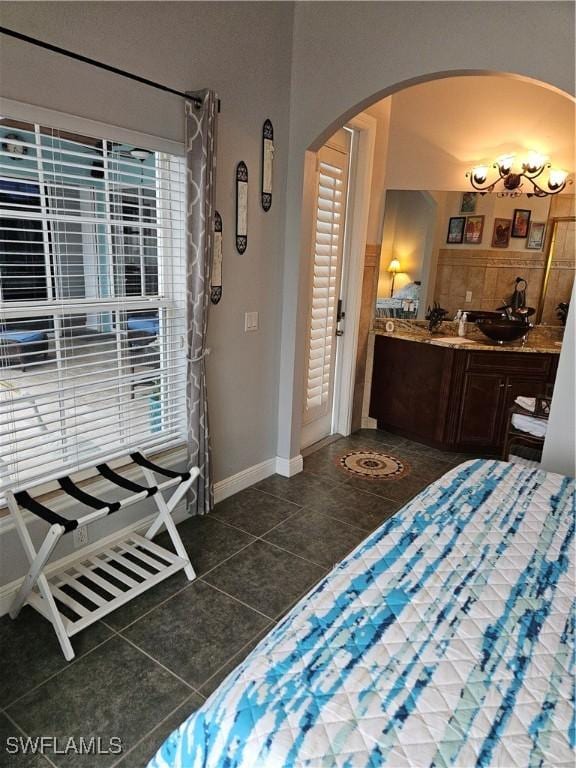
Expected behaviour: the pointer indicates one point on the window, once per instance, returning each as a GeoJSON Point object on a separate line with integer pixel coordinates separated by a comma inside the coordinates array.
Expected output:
{"type": "Point", "coordinates": [92, 301]}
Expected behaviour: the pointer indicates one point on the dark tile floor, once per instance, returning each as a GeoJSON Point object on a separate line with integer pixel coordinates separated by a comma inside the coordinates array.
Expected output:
{"type": "Point", "coordinates": [140, 672]}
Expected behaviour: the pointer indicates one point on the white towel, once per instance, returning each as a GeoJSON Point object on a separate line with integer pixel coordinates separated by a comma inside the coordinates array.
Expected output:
{"type": "Point", "coordinates": [524, 462]}
{"type": "Point", "coordinates": [530, 424]}
{"type": "Point", "coordinates": [529, 403]}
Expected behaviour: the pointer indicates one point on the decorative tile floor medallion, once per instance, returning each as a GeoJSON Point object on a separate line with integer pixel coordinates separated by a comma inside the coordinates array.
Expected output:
{"type": "Point", "coordinates": [372, 465]}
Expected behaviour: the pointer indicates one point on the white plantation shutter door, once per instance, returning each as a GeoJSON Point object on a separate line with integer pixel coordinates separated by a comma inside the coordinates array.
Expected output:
{"type": "Point", "coordinates": [328, 245]}
{"type": "Point", "coordinates": [92, 282]}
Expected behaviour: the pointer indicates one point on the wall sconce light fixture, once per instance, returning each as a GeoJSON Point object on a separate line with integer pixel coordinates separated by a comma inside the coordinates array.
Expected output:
{"type": "Point", "coordinates": [393, 267]}
{"type": "Point", "coordinates": [532, 167]}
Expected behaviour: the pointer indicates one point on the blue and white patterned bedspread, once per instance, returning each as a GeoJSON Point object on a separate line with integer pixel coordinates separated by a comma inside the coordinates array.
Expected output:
{"type": "Point", "coordinates": [445, 638]}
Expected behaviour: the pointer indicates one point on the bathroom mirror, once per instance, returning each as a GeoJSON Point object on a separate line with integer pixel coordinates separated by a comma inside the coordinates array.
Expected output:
{"type": "Point", "coordinates": [466, 250]}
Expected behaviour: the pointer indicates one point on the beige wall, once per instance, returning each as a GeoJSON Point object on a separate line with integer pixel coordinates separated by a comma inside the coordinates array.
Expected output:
{"type": "Point", "coordinates": [407, 235]}
{"type": "Point", "coordinates": [381, 112]}
{"type": "Point", "coordinates": [488, 273]}
{"type": "Point", "coordinates": [444, 128]}
{"type": "Point", "coordinates": [430, 135]}
{"type": "Point", "coordinates": [563, 265]}
{"type": "Point", "coordinates": [494, 207]}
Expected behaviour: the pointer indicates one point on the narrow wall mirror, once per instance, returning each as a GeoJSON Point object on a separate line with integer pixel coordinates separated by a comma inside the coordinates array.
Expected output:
{"type": "Point", "coordinates": [558, 276]}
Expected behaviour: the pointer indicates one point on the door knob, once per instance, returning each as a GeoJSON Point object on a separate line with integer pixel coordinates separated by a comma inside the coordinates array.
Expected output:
{"type": "Point", "coordinates": [339, 332]}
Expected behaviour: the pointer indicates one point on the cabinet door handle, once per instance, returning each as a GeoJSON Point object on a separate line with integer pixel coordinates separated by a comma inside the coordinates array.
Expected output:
{"type": "Point", "coordinates": [501, 386]}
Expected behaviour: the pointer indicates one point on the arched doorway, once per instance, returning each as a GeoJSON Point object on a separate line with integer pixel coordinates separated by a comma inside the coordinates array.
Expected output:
{"type": "Point", "coordinates": [482, 126]}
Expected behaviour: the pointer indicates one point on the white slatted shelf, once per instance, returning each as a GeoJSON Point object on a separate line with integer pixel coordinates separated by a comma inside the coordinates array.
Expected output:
{"type": "Point", "coordinates": [94, 585]}
{"type": "Point", "coordinates": [84, 569]}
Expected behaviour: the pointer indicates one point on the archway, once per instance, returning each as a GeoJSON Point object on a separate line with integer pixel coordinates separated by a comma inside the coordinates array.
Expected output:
{"type": "Point", "coordinates": [343, 119]}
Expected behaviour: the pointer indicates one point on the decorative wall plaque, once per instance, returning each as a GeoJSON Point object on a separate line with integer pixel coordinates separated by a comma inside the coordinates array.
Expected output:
{"type": "Point", "coordinates": [241, 207]}
{"type": "Point", "coordinates": [216, 286]}
{"type": "Point", "coordinates": [267, 163]}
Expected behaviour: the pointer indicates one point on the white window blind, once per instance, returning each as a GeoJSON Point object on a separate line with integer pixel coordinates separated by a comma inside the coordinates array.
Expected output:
{"type": "Point", "coordinates": [328, 246]}
{"type": "Point", "coordinates": [92, 301]}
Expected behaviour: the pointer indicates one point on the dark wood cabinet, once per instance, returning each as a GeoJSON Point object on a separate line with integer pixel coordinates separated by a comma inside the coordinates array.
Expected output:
{"type": "Point", "coordinates": [450, 398]}
{"type": "Point", "coordinates": [480, 407]}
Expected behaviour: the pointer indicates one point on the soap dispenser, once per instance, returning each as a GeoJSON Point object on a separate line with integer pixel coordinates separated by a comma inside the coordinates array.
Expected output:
{"type": "Point", "coordinates": [462, 324]}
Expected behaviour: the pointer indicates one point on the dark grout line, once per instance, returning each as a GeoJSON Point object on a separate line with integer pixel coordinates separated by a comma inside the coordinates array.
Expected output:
{"type": "Point", "coordinates": [283, 549]}
{"type": "Point", "coordinates": [151, 731]}
{"type": "Point", "coordinates": [341, 481]}
{"type": "Point", "coordinates": [237, 600]}
{"type": "Point", "coordinates": [179, 591]}
{"type": "Point", "coordinates": [289, 552]}
{"type": "Point", "coordinates": [24, 733]}
{"type": "Point", "coordinates": [266, 629]}
{"type": "Point", "coordinates": [347, 484]}
{"type": "Point", "coordinates": [68, 665]}
{"type": "Point", "coordinates": [160, 664]}
{"type": "Point", "coordinates": [275, 495]}
{"type": "Point", "coordinates": [266, 493]}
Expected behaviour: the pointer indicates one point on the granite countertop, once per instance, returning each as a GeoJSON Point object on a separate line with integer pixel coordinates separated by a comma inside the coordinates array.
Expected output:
{"type": "Point", "coordinates": [540, 339]}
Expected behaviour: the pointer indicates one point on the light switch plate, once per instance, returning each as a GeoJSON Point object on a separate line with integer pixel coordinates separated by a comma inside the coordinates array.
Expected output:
{"type": "Point", "coordinates": [251, 321]}
{"type": "Point", "coordinates": [468, 297]}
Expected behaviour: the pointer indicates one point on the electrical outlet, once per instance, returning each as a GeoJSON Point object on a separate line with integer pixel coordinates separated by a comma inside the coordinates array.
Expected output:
{"type": "Point", "coordinates": [251, 321]}
{"type": "Point", "coordinates": [80, 536]}
{"type": "Point", "coordinates": [468, 297]}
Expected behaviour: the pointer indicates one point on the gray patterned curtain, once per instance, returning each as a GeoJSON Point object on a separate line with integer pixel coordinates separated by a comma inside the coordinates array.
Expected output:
{"type": "Point", "coordinates": [201, 119]}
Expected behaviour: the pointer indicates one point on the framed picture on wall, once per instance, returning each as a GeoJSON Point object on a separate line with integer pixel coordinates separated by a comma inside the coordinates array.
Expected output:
{"type": "Point", "coordinates": [456, 229]}
{"type": "Point", "coordinates": [468, 202]}
{"type": "Point", "coordinates": [520, 222]}
{"type": "Point", "coordinates": [536, 235]}
{"type": "Point", "coordinates": [501, 233]}
{"type": "Point", "coordinates": [474, 229]}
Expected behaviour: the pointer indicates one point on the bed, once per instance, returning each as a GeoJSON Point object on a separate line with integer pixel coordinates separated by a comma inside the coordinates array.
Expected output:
{"type": "Point", "coordinates": [405, 309]}
{"type": "Point", "coordinates": [404, 304]}
{"type": "Point", "coordinates": [445, 638]}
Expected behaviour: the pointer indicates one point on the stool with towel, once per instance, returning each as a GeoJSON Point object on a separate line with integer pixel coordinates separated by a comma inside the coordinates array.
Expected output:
{"type": "Point", "coordinates": [527, 424]}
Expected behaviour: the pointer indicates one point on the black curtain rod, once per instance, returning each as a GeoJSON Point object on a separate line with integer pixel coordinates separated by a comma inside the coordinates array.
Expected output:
{"type": "Point", "coordinates": [94, 63]}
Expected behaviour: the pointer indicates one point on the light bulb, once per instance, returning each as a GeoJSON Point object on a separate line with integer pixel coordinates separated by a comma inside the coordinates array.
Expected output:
{"type": "Point", "coordinates": [505, 164]}
{"type": "Point", "coordinates": [557, 178]}
{"type": "Point", "coordinates": [534, 162]}
{"type": "Point", "coordinates": [480, 173]}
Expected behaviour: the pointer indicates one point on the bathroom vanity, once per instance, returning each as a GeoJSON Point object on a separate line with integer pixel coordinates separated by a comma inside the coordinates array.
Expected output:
{"type": "Point", "coordinates": [451, 393]}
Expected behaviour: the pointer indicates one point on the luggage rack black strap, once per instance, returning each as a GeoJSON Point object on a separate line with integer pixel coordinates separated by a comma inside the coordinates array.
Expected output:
{"type": "Point", "coordinates": [124, 482]}
{"type": "Point", "coordinates": [25, 500]}
{"type": "Point", "coordinates": [137, 458]}
{"type": "Point", "coordinates": [85, 498]}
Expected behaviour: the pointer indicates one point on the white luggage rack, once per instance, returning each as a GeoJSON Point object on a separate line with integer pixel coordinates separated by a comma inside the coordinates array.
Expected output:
{"type": "Point", "coordinates": [99, 583]}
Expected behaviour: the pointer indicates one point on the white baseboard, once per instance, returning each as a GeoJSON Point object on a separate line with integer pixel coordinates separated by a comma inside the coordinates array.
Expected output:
{"type": "Point", "coordinates": [243, 479]}
{"type": "Point", "coordinates": [289, 467]}
{"type": "Point", "coordinates": [222, 490]}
